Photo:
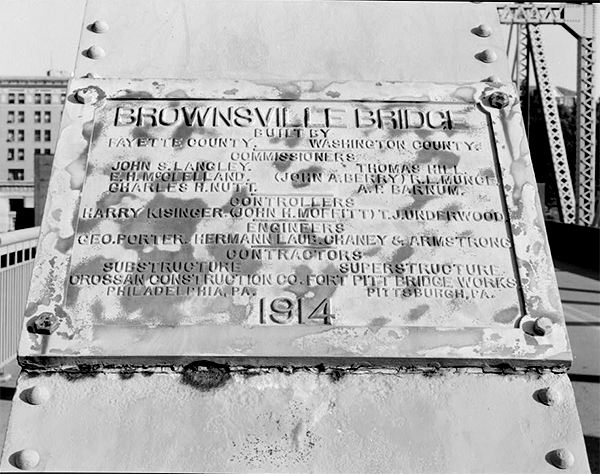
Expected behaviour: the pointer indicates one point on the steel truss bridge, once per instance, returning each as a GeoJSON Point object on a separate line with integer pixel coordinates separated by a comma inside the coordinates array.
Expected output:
{"type": "Point", "coordinates": [578, 203]}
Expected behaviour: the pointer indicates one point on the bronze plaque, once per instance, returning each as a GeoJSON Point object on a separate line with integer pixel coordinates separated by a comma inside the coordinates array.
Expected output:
{"type": "Point", "coordinates": [312, 218]}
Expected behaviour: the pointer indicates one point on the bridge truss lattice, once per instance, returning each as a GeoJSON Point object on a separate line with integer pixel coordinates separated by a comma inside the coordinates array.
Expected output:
{"type": "Point", "coordinates": [578, 202]}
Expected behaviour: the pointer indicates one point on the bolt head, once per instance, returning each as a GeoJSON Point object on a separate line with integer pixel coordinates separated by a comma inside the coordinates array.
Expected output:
{"type": "Point", "coordinates": [27, 459]}
{"type": "Point", "coordinates": [549, 396]}
{"type": "Point", "coordinates": [562, 458]}
{"type": "Point", "coordinates": [85, 96]}
{"type": "Point", "coordinates": [542, 326]}
{"type": "Point", "coordinates": [488, 56]}
{"type": "Point", "coordinates": [99, 26]}
{"type": "Point", "coordinates": [483, 30]}
{"type": "Point", "coordinates": [95, 52]}
{"type": "Point", "coordinates": [38, 395]}
{"type": "Point", "coordinates": [46, 323]}
{"type": "Point", "coordinates": [499, 100]}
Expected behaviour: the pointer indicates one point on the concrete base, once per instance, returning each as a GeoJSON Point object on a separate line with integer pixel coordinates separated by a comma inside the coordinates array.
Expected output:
{"type": "Point", "coordinates": [215, 421]}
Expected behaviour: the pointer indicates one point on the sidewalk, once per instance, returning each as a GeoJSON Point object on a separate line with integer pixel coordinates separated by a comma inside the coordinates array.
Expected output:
{"type": "Point", "coordinates": [580, 295]}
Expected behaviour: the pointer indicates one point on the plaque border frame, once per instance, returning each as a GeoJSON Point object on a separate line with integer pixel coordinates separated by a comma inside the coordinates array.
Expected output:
{"type": "Point", "coordinates": [79, 343]}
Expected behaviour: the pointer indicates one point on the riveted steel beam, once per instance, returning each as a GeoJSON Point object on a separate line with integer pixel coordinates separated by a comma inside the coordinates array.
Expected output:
{"type": "Point", "coordinates": [555, 135]}
{"type": "Point", "coordinates": [354, 421]}
{"type": "Point", "coordinates": [529, 13]}
{"type": "Point", "coordinates": [586, 132]}
{"type": "Point", "coordinates": [521, 71]}
{"type": "Point", "coordinates": [578, 19]}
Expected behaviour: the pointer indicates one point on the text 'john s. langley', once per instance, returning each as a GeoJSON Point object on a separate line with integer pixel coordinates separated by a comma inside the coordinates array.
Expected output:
{"type": "Point", "coordinates": [387, 117]}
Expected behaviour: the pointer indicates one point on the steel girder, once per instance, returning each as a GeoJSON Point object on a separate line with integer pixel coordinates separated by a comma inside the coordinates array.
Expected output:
{"type": "Point", "coordinates": [564, 183]}
{"type": "Point", "coordinates": [586, 132]}
{"type": "Point", "coordinates": [528, 13]}
{"type": "Point", "coordinates": [578, 20]}
{"type": "Point", "coordinates": [522, 71]}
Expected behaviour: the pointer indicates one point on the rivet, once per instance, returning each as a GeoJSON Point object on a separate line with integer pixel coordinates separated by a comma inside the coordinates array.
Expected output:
{"type": "Point", "coordinates": [542, 326]}
{"type": "Point", "coordinates": [27, 459]}
{"type": "Point", "coordinates": [483, 30]}
{"type": "Point", "coordinates": [45, 323]}
{"type": "Point", "coordinates": [100, 26]}
{"type": "Point", "coordinates": [95, 52]}
{"type": "Point", "coordinates": [38, 395]}
{"type": "Point", "coordinates": [487, 56]}
{"type": "Point", "coordinates": [499, 100]}
{"type": "Point", "coordinates": [562, 458]}
{"type": "Point", "coordinates": [84, 96]}
{"type": "Point", "coordinates": [549, 396]}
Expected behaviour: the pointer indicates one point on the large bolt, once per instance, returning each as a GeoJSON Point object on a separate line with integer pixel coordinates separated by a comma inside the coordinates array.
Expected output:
{"type": "Point", "coordinates": [499, 100]}
{"type": "Point", "coordinates": [95, 52]}
{"type": "Point", "coordinates": [562, 458]}
{"type": "Point", "coordinates": [85, 96]}
{"type": "Point", "coordinates": [46, 323]}
{"type": "Point", "coordinates": [542, 326]}
{"type": "Point", "coordinates": [483, 30]}
{"type": "Point", "coordinates": [99, 26]}
{"type": "Point", "coordinates": [487, 56]}
{"type": "Point", "coordinates": [27, 459]}
{"type": "Point", "coordinates": [549, 396]}
{"type": "Point", "coordinates": [38, 395]}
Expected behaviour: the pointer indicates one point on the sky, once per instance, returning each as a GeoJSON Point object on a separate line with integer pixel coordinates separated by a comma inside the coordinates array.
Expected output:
{"type": "Point", "coordinates": [38, 35]}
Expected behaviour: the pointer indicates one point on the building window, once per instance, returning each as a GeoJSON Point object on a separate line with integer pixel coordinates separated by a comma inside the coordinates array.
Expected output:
{"type": "Point", "coordinates": [20, 135]}
{"type": "Point", "coordinates": [37, 136]}
{"type": "Point", "coordinates": [11, 117]}
{"type": "Point", "coordinates": [11, 98]}
{"type": "Point", "coordinates": [37, 116]}
{"type": "Point", "coordinates": [47, 137]}
{"type": "Point", "coordinates": [11, 154]}
{"type": "Point", "coordinates": [16, 175]}
{"type": "Point", "coordinates": [37, 98]}
{"type": "Point", "coordinates": [21, 98]}
{"type": "Point", "coordinates": [37, 151]}
{"type": "Point", "coordinates": [21, 154]}
{"type": "Point", "coordinates": [21, 116]}
{"type": "Point", "coordinates": [47, 151]}
{"type": "Point", "coordinates": [15, 205]}
{"type": "Point", "coordinates": [47, 116]}
{"type": "Point", "coordinates": [63, 97]}
{"type": "Point", "coordinates": [47, 98]}
{"type": "Point", "coordinates": [10, 135]}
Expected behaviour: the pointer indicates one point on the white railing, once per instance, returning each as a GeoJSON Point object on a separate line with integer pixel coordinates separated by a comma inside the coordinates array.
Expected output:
{"type": "Point", "coordinates": [17, 254]}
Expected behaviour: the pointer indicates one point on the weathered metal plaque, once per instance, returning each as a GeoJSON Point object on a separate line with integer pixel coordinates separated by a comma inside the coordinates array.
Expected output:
{"type": "Point", "coordinates": [233, 220]}
{"type": "Point", "coordinates": [267, 212]}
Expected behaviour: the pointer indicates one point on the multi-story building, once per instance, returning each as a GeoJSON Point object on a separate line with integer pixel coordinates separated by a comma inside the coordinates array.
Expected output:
{"type": "Point", "coordinates": [30, 111]}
